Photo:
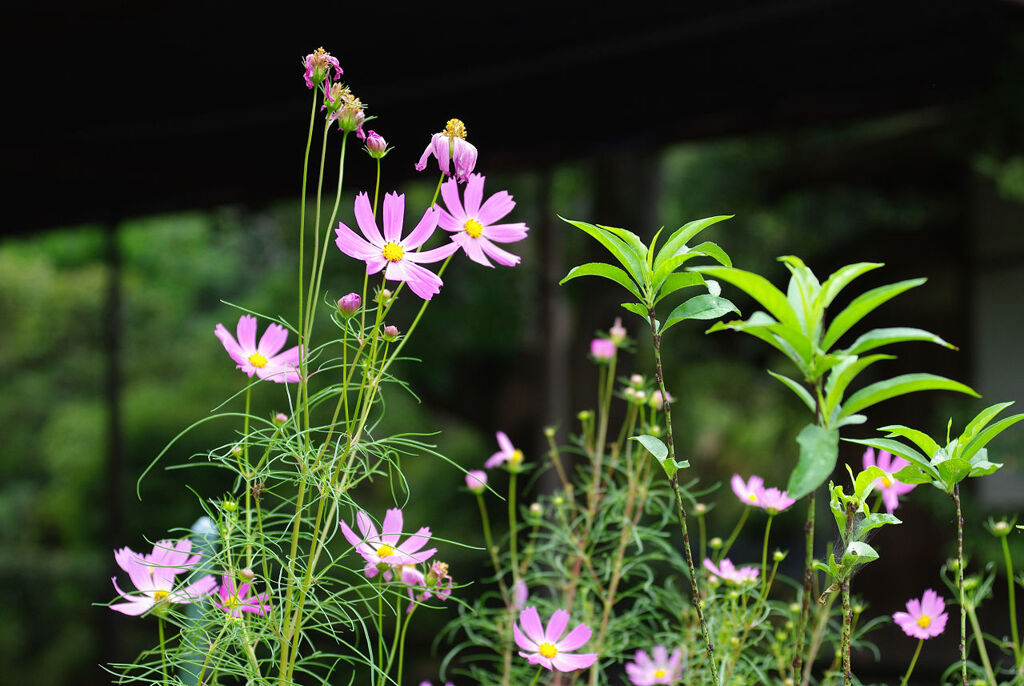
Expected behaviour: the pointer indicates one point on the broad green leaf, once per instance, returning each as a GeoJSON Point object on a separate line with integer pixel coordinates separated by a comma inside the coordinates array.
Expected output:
{"type": "Point", "coordinates": [864, 480]}
{"type": "Point", "coordinates": [637, 309]}
{"type": "Point", "coordinates": [634, 261]}
{"type": "Point", "coordinates": [650, 250]}
{"type": "Point", "coordinates": [861, 306]}
{"type": "Point", "coordinates": [802, 292]}
{"type": "Point", "coordinates": [758, 288]}
{"type": "Point", "coordinates": [980, 466]}
{"type": "Point", "coordinates": [681, 235]}
{"type": "Point", "coordinates": [660, 453]}
{"type": "Point", "coordinates": [706, 249]}
{"type": "Point", "coordinates": [840, 279]}
{"type": "Point", "coordinates": [709, 249]}
{"type": "Point", "coordinates": [819, 449]}
{"type": "Point", "coordinates": [714, 288]}
{"type": "Point", "coordinates": [897, 448]}
{"type": "Point", "coordinates": [901, 385]}
{"type": "Point", "coordinates": [953, 471]}
{"type": "Point", "coordinates": [606, 271]}
{"type": "Point", "coordinates": [699, 307]}
{"type": "Point", "coordinates": [859, 553]}
{"type": "Point", "coordinates": [842, 375]}
{"type": "Point", "coordinates": [912, 475]}
{"type": "Point", "coordinates": [782, 338]}
{"type": "Point", "coordinates": [849, 420]}
{"type": "Point", "coordinates": [876, 338]}
{"type": "Point", "coordinates": [982, 439]}
{"type": "Point", "coordinates": [674, 282]}
{"type": "Point", "coordinates": [981, 421]}
{"type": "Point", "coordinates": [797, 388]}
{"type": "Point", "coordinates": [873, 521]}
{"type": "Point", "coordinates": [918, 438]}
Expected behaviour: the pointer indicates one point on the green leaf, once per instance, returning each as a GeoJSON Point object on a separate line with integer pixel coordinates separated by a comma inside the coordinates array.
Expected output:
{"type": "Point", "coordinates": [699, 307]}
{"type": "Point", "coordinates": [660, 453]}
{"type": "Point", "coordinates": [874, 521]}
{"type": "Point", "coordinates": [797, 388]}
{"type": "Point", "coordinates": [912, 475]}
{"type": "Point", "coordinates": [980, 466]}
{"type": "Point", "coordinates": [675, 282]}
{"type": "Point", "coordinates": [842, 375]}
{"type": "Point", "coordinates": [630, 239]}
{"type": "Point", "coordinates": [681, 235]}
{"type": "Point", "coordinates": [858, 553]}
{"type": "Point", "coordinates": [901, 385]}
{"type": "Point", "coordinates": [953, 471]}
{"type": "Point", "coordinates": [982, 439]}
{"type": "Point", "coordinates": [607, 271]}
{"type": "Point", "coordinates": [758, 288]}
{"type": "Point", "coordinates": [802, 292]}
{"type": "Point", "coordinates": [981, 421]}
{"type": "Point", "coordinates": [861, 306]}
{"type": "Point", "coordinates": [876, 338]}
{"type": "Point", "coordinates": [840, 279]}
{"type": "Point", "coordinates": [709, 249]}
{"type": "Point", "coordinates": [633, 261]}
{"type": "Point", "coordinates": [819, 449]}
{"type": "Point", "coordinates": [899, 449]}
{"type": "Point", "coordinates": [636, 309]}
{"type": "Point", "coordinates": [864, 480]}
{"type": "Point", "coordinates": [650, 250]}
{"type": "Point", "coordinates": [918, 438]}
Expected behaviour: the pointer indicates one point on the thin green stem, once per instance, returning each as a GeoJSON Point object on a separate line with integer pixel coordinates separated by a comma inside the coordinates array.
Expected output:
{"type": "Point", "coordinates": [805, 596]}
{"type": "Point", "coordinates": [376, 189]}
{"type": "Point", "coordinates": [764, 555]}
{"type": "Point", "coordinates": [381, 673]}
{"type": "Point", "coordinates": [913, 661]}
{"type": "Point", "coordinates": [536, 676]}
{"type": "Point", "coordinates": [209, 653]}
{"type": "Point", "coordinates": [732, 537]}
{"type": "Point", "coordinates": [513, 528]}
{"type": "Point", "coordinates": [979, 639]}
{"type": "Point", "coordinates": [401, 643]}
{"type": "Point", "coordinates": [1011, 592]}
{"type": "Point", "coordinates": [433, 201]}
{"type": "Point", "coordinates": [302, 219]}
{"type": "Point", "coordinates": [960, 583]}
{"type": "Point", "coordinates": [247, 478]}
{"type": "Point", "coordinates": [847, 609]}
{"type": "Point", "coordinates": [492, 550]}
{"type": "Point", "coordinates": [163, 650]}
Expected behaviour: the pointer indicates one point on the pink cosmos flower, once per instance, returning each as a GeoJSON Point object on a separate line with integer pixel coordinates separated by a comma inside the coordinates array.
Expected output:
{"type": "Point", "coordinates": [391, 250]}
{"type": "Point", "coordinates": [891, 488]}
{"type": "Point", "coordinates": [663, 669]}
{"type": "Point", "coordinates": [924, 618]}
{"type": "Point", "coordinates": [507, 453]}
{"type": "Point", "coordinates": [319, 64]}
{"type": "Point", "coordinates": [520, 594]}
{"type": "Point", "coordinates": [750, 492]}
{"type": "Point", "coordinates": [153, 576]}
{"type": "Point", "coordinates": [264, 360]}
{"type": "Point", "coordinates": [235, 601]}
{"type": "Point", "coordinates": [546, 647]}
{"type": "Point", "coordinates": [474, 224]}
{"type": "Point", "coordinates": [726, 571]}
{"type": "Point", "coordinates": [602, 349]}
{"type": "Point", "coordinates": [383, 552]}
{"type": "Point", "coordinates": [476, 480]}
{"type": "Point", "coordinates": [775, 501]}
{"type": "Point", "coordinates": [450, 144]}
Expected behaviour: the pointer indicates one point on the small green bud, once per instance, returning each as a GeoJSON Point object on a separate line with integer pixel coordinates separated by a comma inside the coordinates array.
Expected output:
{"type": "Point", "coordinates": [585, 415]}
{"type": "Point", "coordinates": [790, 625]}
{"type": "Point", "coordinates": [794, 607]}
{"type": "Point", "coordinates": [536, 510]}
{"type": "Point", "coordinates": [654, 429]}
{"type": "Point", "coordinates": [549, 431]}
{"type": "Point", "coordinates": [700, 509]}
{"type": "Point", "coordinates": [781, 636]}
{"type": "Point", "coordinates": [558, 500]}
{"type": "Point", "coordinates": [779, 555]}
{"type": "Point", "coordinates": [1000, 528]}
{"type": "Point", "coordinates": [716, 543]}
{"type": "Point", "coordinates": [236, 451]}
{"type": "Point", "coordinates": [230, 506]}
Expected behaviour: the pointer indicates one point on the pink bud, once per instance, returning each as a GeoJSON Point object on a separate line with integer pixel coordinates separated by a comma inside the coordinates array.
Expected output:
{"type": "Point", "coordinates": [390, 332]}
{"type": "Point", "coordinates": [376, 146]}
{"type": "Point", "coordinates": [602, 349]}
{"type": "Point", "coordinates": [280, 418]}
{"type": "Point", "coordinates": [350, 304]}
{"type": "Point", "coordinates": [476, 480]}
{"type": "Point", "coordinates": [618, 332]}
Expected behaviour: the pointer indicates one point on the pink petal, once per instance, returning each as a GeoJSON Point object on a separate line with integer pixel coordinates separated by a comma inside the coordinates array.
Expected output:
{"type": "Point", "coordinates": [439, 143]}
{"type": "Point", "coordinates": [537, 659]}
{"type": "Point", "coordinates": [506, 233]}
{"type": "Point", "coordinates": [364, 218]}
{"type": "Point", "coordinates": [423, 282]}
{"type": "Point", "coordinates": [273, 340]}
{"type": "Point", "coordinates": [424, 229]}
{"type": "Point", "coordinates": [138, 571]}
{"type": "Point", "coordinates": [375, 264]}
{"type": "Point", "coordinates": [422, 164]}
{"type": "Point", "coordinates": [496, 207]}
{"type": "Point", "coordinates": [472, 247]}
{"type": "Point", "coordinates": [556, 626]}
{"type": "Point", "coordinates": [495, 460]}
{"type": "Point", "coordinates": [532, 627]}
{"type": "Point", "coordinates": [869, 458]}
{"type": "Point", "coordinates": [247, 334]}
{"type": "Point", "coordinates": [568, 662]}
{"type": "Point", "coordinates": [450, 194]}
{"type": "Point", "coordinates": [366, 527]}
{"type": "Point", "coordinates": [576, 638]}
{"type": "Point", "coordinates": [394, 213]}
{"type": "Point", "coordinates": [890, 498]}
{"type": "Point", "coordinates": [502, 257]}
{"type": "Point", "coordinates": [504, 443]}
{"type": "Point", "coordinates": [448, 222]}
{"type": "Point", "coordinates": [229, 343]}
{"type": "Point", "coordinates": [392, 527]}
{"type": "Point", "coordinates": [416, 541]}
{"type": "Point", "coordinates": [474, 194]}
{"type": "Point", "coordinates": [350, 535]}
{"type": "Point", "coordinates": [433, 255]}
{"type": "Point", "coordinates": [352, 245]}
{"type": "Point", "coordinates": [203, 587]}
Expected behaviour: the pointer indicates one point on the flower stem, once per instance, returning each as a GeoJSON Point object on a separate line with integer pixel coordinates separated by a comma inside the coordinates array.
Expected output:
{"type": "Point", "coordinates": [163, 650]}
{"type": "Point", "coordinates": [536, 676]}
{"type": "Point", "coordinates": [492, 550]}
{"type": "Point", "coordinates": [1011, 595]}
{"type": "Point", "coordinates": [847, 609]}
{"type": "Point", "coordinates": [401, 643]}
{"type": "Point", "coordinates": [732, 537]}
{"type": "Point", "coordinates": [805, 598]}
{"type": "Point", "coordinates": [960, 583]}
{"type": "Point", "coordinates": [512, 529]}
{"type": "Point", "coordinates": [247, 478]}
{"type": "Point", "coordinates": [913, 661]}
{"type": "Point", "coordinates": [302, 217]}
{"type": "Point", "coordinates": [764, 555]}
{"type": "Point", "coordinates": [437, 191]}
{"type": "Point", "coordinates": [979, 639]}
{"type": "Point", "coordinates": [376, 189]}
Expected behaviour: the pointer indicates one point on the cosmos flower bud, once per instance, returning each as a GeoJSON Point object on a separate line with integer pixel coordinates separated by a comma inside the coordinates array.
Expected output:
{"type": "Point", "coordinates": [536, 510]}
{"type": "Point", "coordinates": [715, 543]}
{"type": "Point", "coordinates": [390, 332]}
{"type": "Point", "coordinates": [376, 146]}
{"type": "Point", "coordinates": [636, 380]}
{"type": "Point", "coordinates": [476, 480]}
{"type": "Point", "coordinates": [700, 509]}
{"type": "Point", "coordinates": [617, 333]}
{"type": "Point", "coordinates": [549, 431]}
{"type": "Point", "coordinates": [654, 429]}
{"type": "Point", "coordinates": [350, 304]}
{"type": "Point", "coordinates": [230, 506]}
{"type": "Point", "coordinates": [280, 419]}
{"type": "Point", "coordinates": [236, 451]}
{"type": "Point", "coordinates": [602, 350]}
{"type": "Point", "coordinates": [1000, 529]}
{"type": "Point", "coordinates": [247, 574]}
{"type": "Point", "coordinates": [383, 296]}
{"type": "Point", "coordinates": [778, 556]}
{"type": "Point", "coordinates": [657, 400]}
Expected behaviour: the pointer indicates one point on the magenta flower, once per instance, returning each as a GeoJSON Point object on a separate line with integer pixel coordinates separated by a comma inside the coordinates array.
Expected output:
{"type": "Point", "coordinates": [235, 601]}
{"type": "Point", "coordinates": [476, 480]}
{"type": "Point", "coordinates": [376, 146]}
{"type": "Point", "coordinates": [264, 360]}
{"type": "Point", "coordinates": [775, 501]}
{"type": "Point", "coordinates": [924, 618]}
{"type": "Point", "coordinates": [451, 146]}
{"type": "Point", "coordinates": [750, 492]}
{"type": "Point", "coordinates": [546, 647]}
{"type": "Point", "coordinates": [726, 571]}
{"type": "Point", "coordinates": [319, 64]}
{"type": "Point", "coordinates": [391, 250]}
{"type": "Point", "coordinates": [602, 349]}
{"type": "Point", "coordinates": [891, 488]}
{"type": "Point", "coordinates": [662, 669]}
{"type": "Point", "coordinates": [350, 304]}
{"type": "Point", "coordinates": [383, 552]}
{"type": "Point", "coordinates": [507, 453]}
{"type": "Point", "coordinates": [153, 577]}
{"type": "Point", "coordinates": [474, 223]}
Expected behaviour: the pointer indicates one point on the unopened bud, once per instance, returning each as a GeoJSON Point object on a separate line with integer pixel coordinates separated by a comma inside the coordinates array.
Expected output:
{"type": "Point", "coordinates": [376, 146]}
{"type": "Point", "coordinates": [654, 429]}
{"type": "Point", "coordinates": [602, 350]}
{"type": "Point", "coordinates": [558, 500]}
{"type": "Point", "coordinates": [280, 419]}
{"type": "Point", "coordinates": [229, 506]}
{"type": "Point", "coordinates": [536, 510]}
{"type": "Point", "coordinates": [1001, 528]}
{"type": "Point", "coordinates": [715, 543]}
{"type": "Point", "coordinates": [236, 451]}
{"type": "Point", "coordinates": [779, 555]}
{"type": "Point", "coordinates": [794, 607]}
{"type": "Point", "coordinates": [390, 332]}
{"type": "Point", "coordinates": [585, 415]}
{"type": "Point", "coordinates": [350, 304]}
{"type": "Point", "coordinates": [248, 574]}
{"type": "Point", "coordinates": [549, 431]}
{"type": "Point", "coordinates": [617, 333]}
{"type": "Point", "coordinates": [476, 480]}
{"type": "Point", "coordinates": [700, 509]}
{"type": "Point", "coordinates": [636, 380]}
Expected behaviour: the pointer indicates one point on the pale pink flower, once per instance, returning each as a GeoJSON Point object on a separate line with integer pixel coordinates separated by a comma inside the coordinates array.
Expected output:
{"type": "Point", "coordinates": [319, 65]}
{"type": "Point", "coordinates": [235, 601]}
{"type": "Point", "coordinates": [891, 488]}
{"type": "Point", "coordinates": [775, 501]}
{"type": "Point", "coordinates": [383, 552]}
{"type": "Point", "coordinates": [474, 223]}
{"type": "Point", "coordinates": [264, 360]}
{"type": "Point", "coordinates": [618, 332]}
{"type": "Point", "coordinates": [507, 453]}
{"type": "Point", "coordinates": [924, 618]}
{"type": "Point", "coordinates": [545, 646]}
{"type": "Point", "coordinates": [602, 349]}
{"type": "Point", "coordinates": [726, 571]}
{"type": "Point", "coordinates": [646, 670]}
{"type": "Point", "coordinates": [476, 480]}
{"type": "Point", "coordinates": [391, 250]}
{"type": "Point", "coordinates": [450, 148]}
{"type": "Point", "coordinates": [749, 492]}
{"type": "Point", "coordinates": [153, 577]}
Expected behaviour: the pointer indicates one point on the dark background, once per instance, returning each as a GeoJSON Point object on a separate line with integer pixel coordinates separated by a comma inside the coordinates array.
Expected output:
{"type": "Point", "coordinates": [152, 163]}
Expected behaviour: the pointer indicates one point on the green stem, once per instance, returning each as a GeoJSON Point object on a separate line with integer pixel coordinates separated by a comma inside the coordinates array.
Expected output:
{"type": "Point", "coordinates": [732, 537]}
{"type": "Point", "coordinates": [764, 555]}
{"type": "Point", "coordinates": [847, 609]}
{"type": "Point", "coordinates": [805, 597]}
{"type": "Point", "coordinates": [302, 220]}
{"type": "Point", "coordinates": [163, 650]}
{"type": "Point", "coordinates": [512, 528]}
{"type": "Point", "coordinates": [381, 673]}
{"type": "Point", "coordinates": [1011, 595]}
{"type": "Point", "coordinates": [979, 639]}
{"type": "Point", "coordinates": [401, 644]}
{"type": "Point", "coordinates": [492, 550]}
{"type": "Point", "coordinates": [247, 479]}
{"type": "Point", "coordinates": [209, 653]}
{"type": "Point", "coordinates": [913, 661]}
{"type": "Point", "coordinates": [536, 676]}
{"type": "Point", "coordinates": [433, 201]}
{"type": "Point", "coordinates": [376, 190]}
{"type": "Point", "coordinates": [960, 583]}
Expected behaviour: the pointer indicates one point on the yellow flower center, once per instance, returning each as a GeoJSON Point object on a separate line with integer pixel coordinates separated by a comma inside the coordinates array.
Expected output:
{"type": "Point", "coordinates": [517, 457]}
{"type": "Point", "coordinates": [257, 360]}
{"type": "Point", "coordinates": [160, 595]}
{"type": "Point", "coordinates": [385, 551]}
{"type": "Point", "coordinates": [548, 650]}
{"type": "Point", "coordinates": [887, 482]}
{"type": "Point", "coordinates": [924, 621]}
{"type": "Point", "coordinates": [752, 498]}
{"type": "Point", "coordinates": [455, 129]}
{"type": "Point", "coordinates": [393, 252]}
{"type": "Point", "coordinates": [659, 674]}
{"type": "Point", "coordinates": [473, 228]}
{"type": "Point", "coordinates": [232, 602]}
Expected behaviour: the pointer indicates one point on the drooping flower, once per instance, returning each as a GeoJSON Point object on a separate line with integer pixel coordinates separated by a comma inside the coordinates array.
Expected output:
{"type": "Point", "coordinates": [602, 349]}
{"type": "Point", "coordinates": [545, 646]}
{"type": "Point", "coordinates": [661, 669]}
{"type": "Point", "coordinates": [473, 224]}
{"type": "Point", "coordinates": [263, 360]}
{"type": "Point", "coordinates": [450, 147]}
{"type": "Point", "coordinates": [319, 64]}
{"type": "Point", "coordinates": [891, 488]}
{"type": "Point", "coordinates": [153, 576]}
{"type": "Point", "coordinates": [235, 601]}
{"type": "Point", "coordinates": [507, 453]}
{"type": "Point", "coordinates": [383, 552]}
{"type": "Point", "coordinates": [748, 492]}
{"type": "Point", "coordinates": [775, 501]}
{"type": "Point", "coordinates": [391, 250]}
{"type": "Point", "coordinates": [924, 618]}
{"type": "Point", "coordinates": [476, 480]}
{"type": "Point", "coordinates": [727, 571]}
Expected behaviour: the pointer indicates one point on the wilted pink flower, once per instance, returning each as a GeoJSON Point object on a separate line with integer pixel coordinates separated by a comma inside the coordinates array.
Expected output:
{"type": "Point", "coordinates": [749, 493]}
{"type": "Point", "coordinates": [383, 552]}
{"type": "Point", "coordinates": [476, 480]}
{"type": "Point", "coordinates": [263, 360]}
{"type": "Point", "coordinates": [924, 618]}
{"type": "Point", "coordinates": [507, 453]}
{"type": "Point", "coordinates": [474, 224]}
{"type": "Point", "coordinates": [450, 144]}
{"type": "Point", "coordinates": [153, 577]}
{"type": "Point", "coordinates": [662, 669]}
{"type": "Point", "coordinates": [602, 349]}
{"type": "Point", "coordinates": [391, 250]}
{"type": "Point", "coordinates": [376, 146]}
{"type": "Point", "coordinates": [349, 304]}
{"type": "Point", "coordinates": [546, 647]}
{"type": "Point", "coordinates": [319, 64]}
{"type": "Point", "coordinates": [891, 488]}
{"type": "Point", "coordinates": [726, 571]}
{"type": "Point", "coordinates": [436, 583]}
{"type": "Point", "coordinates": [235, 601]}
{"type": "Point", "coordinates": [775, 501]}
